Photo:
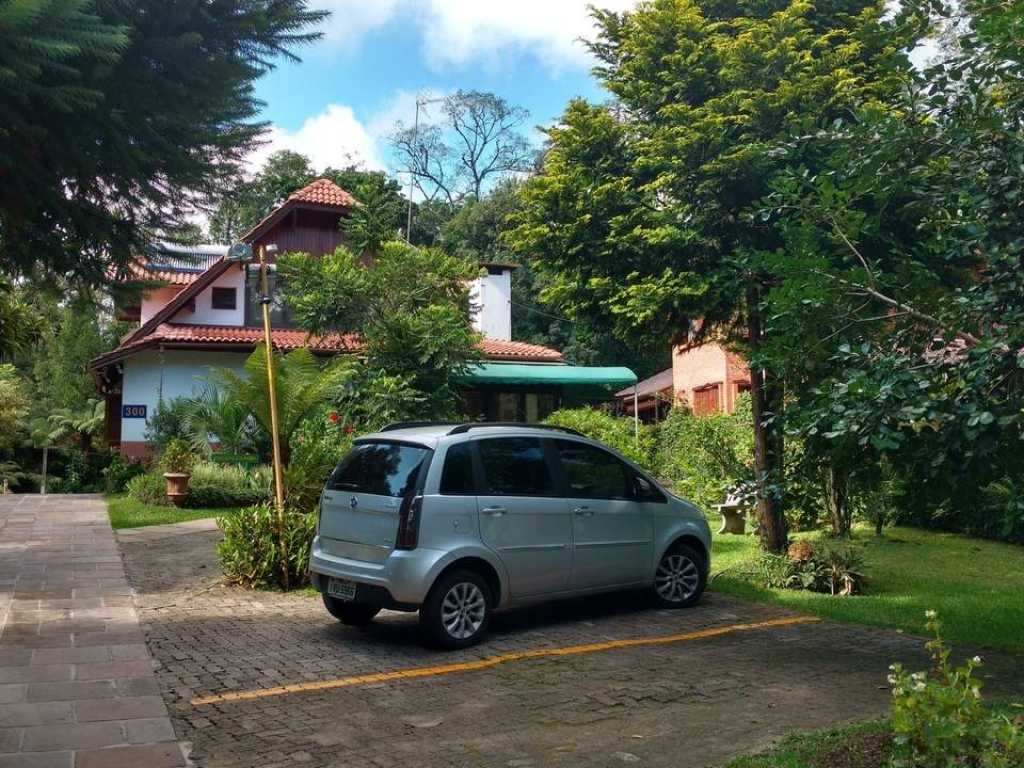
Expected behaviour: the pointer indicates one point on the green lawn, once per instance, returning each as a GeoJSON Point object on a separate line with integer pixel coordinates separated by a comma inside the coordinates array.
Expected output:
{"type": "Point", "coordinates": [976, 586]}
{"type": "Point", "coordinates": [126, 512]}
{"type": "Point", "coordinates": [801, 750]}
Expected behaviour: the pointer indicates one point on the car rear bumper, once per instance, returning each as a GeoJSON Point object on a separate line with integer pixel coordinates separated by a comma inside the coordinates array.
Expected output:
{"type": "Point", "coordinates": [405, 576]}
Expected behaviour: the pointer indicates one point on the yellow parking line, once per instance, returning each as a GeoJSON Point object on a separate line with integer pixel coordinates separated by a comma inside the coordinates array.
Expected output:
{"type": "Point", "coordinates": [493, 661]}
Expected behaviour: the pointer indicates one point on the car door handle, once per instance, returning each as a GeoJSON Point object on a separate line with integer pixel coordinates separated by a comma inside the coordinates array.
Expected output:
{"type": "Point", "coordinates": [583, 511]}
{"type": "Point", "coordinates": [494, 511]}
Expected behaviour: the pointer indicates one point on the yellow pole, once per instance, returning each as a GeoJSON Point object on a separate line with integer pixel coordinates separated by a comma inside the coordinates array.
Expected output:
{"type": "Point", "coordinates": [274, 435]}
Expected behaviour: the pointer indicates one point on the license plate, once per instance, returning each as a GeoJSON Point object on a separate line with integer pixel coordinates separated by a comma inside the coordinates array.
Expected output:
{"type": "Point", "coordinates": [341, 589]}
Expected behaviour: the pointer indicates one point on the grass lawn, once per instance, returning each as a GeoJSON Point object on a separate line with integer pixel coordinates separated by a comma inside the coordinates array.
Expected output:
{"type": "Point", "coordinates": [126, 512]}
{"type": "Point", "coordinates": [977, 586]}
{"type": "Point", "coordinates": [864, 745]}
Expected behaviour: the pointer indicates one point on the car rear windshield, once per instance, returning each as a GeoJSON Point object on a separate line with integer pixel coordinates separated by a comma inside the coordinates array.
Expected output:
{"type": "Point", "coordinates": [382, 469]}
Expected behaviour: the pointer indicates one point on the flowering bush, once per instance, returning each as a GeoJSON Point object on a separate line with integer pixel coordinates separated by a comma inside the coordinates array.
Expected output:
{"type": "Point", "coordinates": [939, 720]}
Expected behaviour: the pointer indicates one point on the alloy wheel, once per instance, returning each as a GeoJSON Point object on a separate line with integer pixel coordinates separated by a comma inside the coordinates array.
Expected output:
{"type": "Point", "coordinates": [677, 578]}
{"type": "Point", "coordinates": [463, 610]}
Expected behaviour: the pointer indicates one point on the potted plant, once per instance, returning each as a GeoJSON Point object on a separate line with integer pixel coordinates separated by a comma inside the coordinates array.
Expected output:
{"type": "Point", "coordinates": [177, 461]}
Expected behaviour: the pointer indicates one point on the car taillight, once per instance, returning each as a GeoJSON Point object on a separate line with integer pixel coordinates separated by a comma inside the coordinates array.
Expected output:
{"type": "Point", "coordinates": [409, 523]}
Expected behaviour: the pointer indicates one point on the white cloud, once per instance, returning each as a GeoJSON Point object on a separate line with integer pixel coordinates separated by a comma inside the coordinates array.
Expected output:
{"type": "Point", "coordinates": [351, 20]}
{"type": "Point", "coordinates": [334, 137]}
{"type": "Point", "coordinates": [455, 32]}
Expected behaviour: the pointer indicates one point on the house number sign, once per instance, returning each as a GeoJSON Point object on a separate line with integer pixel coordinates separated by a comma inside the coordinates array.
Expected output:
{"type": "Point", "coordinates": [133, 411]}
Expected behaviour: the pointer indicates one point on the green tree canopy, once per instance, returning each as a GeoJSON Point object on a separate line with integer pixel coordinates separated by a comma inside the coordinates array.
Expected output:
{"type": "Point", "coordinates": [116, 116]}
{"type": "Point", "coordinates": [638, 213]}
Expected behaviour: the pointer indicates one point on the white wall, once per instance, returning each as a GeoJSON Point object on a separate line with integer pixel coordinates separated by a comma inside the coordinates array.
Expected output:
{"type": "Point", "coordinates": [490, 299]}
{"type": "Point", "coordinates": [180, 375]}
{"type": "Point", "coordinates": [205, 314]}
{"type": "Point", "coordinates": [154, 300]}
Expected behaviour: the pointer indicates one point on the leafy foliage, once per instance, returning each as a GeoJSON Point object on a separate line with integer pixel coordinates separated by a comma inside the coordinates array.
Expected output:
{"type": "Point", "coordinates": [168, 422]}
{"type": "Point", "coordinates": [410, 310]}
{"type": "Point", "coordinates": [939, 719]}
{"type": "Point", "coordinates": [614, 431]}
{"type": "Point", "coordinates": [249, 553]}
{"type": "Point", "coordinates": [14, 406]}
{"type": "Point", "coordinates": [303, 385]}
{"type": "Point", "coordinates": [704, 458]}
{"type": "Point", "coordinates": [148, 488]}
{"type": "Point", "coordinates": [213, 414]}
{"type": "Point", "coordinates": [178, 457]}
{"type": "Point", "coordinates": [117, 115]}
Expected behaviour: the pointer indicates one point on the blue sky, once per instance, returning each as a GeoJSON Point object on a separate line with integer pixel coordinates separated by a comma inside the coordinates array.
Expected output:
{"type": "Point", "coordinates": [344, 98]}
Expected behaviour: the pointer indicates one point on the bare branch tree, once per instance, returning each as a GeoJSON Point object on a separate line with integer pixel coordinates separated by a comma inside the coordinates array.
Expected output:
{"type": "Point", "coordinates": [478, 140]}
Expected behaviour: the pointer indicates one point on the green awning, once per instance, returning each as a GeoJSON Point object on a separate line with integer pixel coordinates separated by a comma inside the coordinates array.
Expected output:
{"type": "Point", "coordinates": [610, 379]}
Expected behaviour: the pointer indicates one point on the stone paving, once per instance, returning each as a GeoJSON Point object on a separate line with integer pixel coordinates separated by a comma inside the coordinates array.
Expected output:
{"type": "Point", "coordinates": [686, 705]}
{"type": "Point", "coordinates": [77, 687]}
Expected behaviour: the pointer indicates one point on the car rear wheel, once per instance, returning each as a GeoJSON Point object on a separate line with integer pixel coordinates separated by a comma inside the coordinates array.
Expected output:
{"type": "Point", "coordinates": [680, 578]}
{"type": "Point", "coordinates": [457, 610]}
{"type": "Point", "coordinates": [353, 614]}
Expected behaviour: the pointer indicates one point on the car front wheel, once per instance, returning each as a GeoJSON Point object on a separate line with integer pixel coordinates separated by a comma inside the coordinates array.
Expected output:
{"type": "Point", "coordinates": [457, 610]}
{"type": "Point", "coordinates": [680, 578]}
{"type": "Point", "coordinates": [353, 614]}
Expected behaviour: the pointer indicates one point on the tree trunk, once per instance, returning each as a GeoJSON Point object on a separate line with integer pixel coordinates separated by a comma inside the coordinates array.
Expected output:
{"type": "Point", "coordinates": [838, 501]}
{"type": "Point", "coordinates": [768, 446]}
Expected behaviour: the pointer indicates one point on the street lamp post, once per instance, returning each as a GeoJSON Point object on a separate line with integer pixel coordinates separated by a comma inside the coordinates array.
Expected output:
{"type": "Point", "coordinates": [242, 253]}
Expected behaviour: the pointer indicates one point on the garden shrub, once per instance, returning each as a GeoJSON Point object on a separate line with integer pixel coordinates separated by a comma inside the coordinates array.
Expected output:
{"type": "Point", "coordinates": [819, 566]}
{"type": "Point", "coordinates": [614, 431]}
{"type": "Point", "coordinates": [178, 457]}
{"type": "Point", "coordinates": [705, 457]}
{"type": "Point", "coordinates": [249, 553]}
{"type": "Point", "coordinates": [317, 446]}
{"type": "Point", "coordinates": [215, 486]}
{"type": "Point", "coordinates": [149, 488]}
{"type": "Point", "coordinates": [119, 472]}
{"type": "Point", "coordinates": [168, 422]}
{"type": "Point", "coordinates": [939, 720]}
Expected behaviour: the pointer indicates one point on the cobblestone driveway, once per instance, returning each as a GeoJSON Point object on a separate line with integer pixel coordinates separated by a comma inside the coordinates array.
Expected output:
{"type": "Point", "coordinates": [687, 704]}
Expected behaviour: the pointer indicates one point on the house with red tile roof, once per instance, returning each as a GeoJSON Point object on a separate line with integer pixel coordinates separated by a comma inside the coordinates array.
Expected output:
{"type": "Point", "coordinates": [200, 311]}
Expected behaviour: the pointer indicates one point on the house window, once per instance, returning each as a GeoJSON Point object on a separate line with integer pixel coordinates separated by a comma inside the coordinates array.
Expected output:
{"type": "Point", "coordinates": [224, 298]}
{"type": "Point", "coordinates": [705, 399]}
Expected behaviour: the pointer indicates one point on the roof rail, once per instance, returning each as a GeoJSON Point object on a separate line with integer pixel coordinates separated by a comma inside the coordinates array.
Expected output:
{"type": "Point", "coordinates": [463, 428]}
{"type": "Point", "coordinates": [412, 425]}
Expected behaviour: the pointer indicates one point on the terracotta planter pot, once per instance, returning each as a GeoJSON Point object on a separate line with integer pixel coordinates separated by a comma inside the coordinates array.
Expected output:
{"type": "Point", "coordinates": [177, 487]}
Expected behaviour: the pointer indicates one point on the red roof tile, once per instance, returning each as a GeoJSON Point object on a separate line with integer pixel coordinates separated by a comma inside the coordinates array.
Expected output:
{"type": "Point", "coordinates": [323, 192]}
{"type": "Point", "coordinates": [176, 334]}
{"type": "Point", "coordinates": [495, 349]}
{"type": "Point", "coordinates": [169, 276]}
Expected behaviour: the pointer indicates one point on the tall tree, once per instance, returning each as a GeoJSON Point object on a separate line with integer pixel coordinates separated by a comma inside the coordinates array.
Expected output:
{"type": "Point", "coordinates": [116, 117]}
{"type": "Point", "coordinates": [900, 282]}
{"type": "Point", "coordinates": [478, 140]}
{"type": "Point", "coordinates": [638, 212]}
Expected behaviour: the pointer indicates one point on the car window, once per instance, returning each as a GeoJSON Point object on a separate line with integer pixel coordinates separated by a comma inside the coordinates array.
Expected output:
{"type": "Point", "coordinates": [515, 466]}
{"type": "Point", "coordinates": [382, 469]}
{"type": "Point", "coordinates": [457, 475]}
{"type": "Point", "coordinates": [592, 473]}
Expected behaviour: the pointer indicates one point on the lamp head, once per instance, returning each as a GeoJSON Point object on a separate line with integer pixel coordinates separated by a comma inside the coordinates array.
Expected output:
{"type": "Point", "coordinates": [240, 253]}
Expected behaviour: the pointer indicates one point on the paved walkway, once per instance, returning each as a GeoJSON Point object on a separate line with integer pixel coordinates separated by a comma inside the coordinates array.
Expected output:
{"type": "Point", "coordinates": [77, 688]}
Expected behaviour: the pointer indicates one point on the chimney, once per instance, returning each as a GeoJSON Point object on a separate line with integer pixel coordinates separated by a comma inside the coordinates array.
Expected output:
{"type": "Point", "coordinates": [490, 298]}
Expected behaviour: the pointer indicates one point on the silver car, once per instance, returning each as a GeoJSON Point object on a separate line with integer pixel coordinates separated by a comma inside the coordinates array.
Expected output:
{"type": "Point", "coordinates": [457, 520]}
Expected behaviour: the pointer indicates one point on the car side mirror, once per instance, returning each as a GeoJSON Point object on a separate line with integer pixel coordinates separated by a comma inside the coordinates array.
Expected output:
{"type": "Point", "coordinates": [642, 488]}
